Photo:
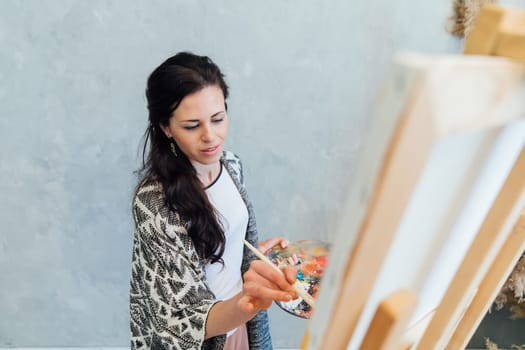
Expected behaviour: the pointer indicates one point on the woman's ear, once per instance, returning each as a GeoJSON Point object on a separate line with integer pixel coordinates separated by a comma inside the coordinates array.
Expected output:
{"type": "Point", "coordinates": [165, 130]}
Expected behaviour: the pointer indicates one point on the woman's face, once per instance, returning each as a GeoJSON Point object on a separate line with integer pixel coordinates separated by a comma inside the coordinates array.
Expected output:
{"type": "Point", "coordinates": [199, 125]}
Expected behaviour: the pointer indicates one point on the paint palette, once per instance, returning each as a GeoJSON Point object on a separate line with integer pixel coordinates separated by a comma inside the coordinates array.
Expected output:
{"type": "Point", "coordinates": [309, 257]}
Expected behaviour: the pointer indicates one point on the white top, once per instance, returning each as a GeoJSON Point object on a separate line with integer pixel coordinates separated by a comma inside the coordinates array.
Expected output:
{"type": "Point", "coordinates": [226, 281]}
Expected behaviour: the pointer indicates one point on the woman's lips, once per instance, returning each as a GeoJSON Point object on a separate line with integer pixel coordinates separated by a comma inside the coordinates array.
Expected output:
{"type": "Point", "coordinates": [210, 150]}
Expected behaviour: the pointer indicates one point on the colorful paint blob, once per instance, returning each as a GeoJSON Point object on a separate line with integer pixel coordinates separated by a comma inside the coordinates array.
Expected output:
{"type": "Point", "coordinates": [309, 257]}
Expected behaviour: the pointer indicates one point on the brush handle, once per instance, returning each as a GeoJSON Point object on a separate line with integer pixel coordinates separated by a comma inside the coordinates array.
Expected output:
{"type": "Point", "coordinates": [300, 291]}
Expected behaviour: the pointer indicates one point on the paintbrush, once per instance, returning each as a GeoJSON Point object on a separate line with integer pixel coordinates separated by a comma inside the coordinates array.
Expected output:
{"type": "Point", "coordinates": [300, 291]}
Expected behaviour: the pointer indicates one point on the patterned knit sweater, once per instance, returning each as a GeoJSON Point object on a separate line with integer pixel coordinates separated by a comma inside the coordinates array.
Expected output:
{"type": "Point", "coordinates": [169, 297]}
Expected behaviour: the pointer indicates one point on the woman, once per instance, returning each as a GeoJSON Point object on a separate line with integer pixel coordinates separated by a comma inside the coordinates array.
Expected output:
{"type": "Point", "coordinates": [193, 284]}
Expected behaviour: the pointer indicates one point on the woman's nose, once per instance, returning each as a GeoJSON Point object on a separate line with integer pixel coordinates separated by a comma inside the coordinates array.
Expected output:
{"type": "Point", "coordinates": [207, 133]}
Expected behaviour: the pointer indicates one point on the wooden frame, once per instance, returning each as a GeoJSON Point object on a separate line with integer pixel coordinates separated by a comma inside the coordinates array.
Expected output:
{"type": "Point", "coordinates": [420, 114]}
{"type": "Point", "coordinates": [495, 230]}
{"type": "Point", "coordinates": [498, 31]}
{"type": "Point", "coordinates": [493, 281]}
{"type": "Point", "coordinates": [390, 321]}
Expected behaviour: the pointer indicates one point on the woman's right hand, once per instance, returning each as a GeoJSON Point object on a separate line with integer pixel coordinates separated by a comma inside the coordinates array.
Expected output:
{"type": "Point", "coordinates": [263, 284]}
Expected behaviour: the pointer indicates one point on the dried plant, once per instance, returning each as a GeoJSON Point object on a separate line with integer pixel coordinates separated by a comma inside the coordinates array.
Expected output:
{"type": "Point", "coordinates": [512, 294]}
{"type": "Point", "coordinates": [491, 345]}
{"type": "Point", "coordinates": [464, 13]}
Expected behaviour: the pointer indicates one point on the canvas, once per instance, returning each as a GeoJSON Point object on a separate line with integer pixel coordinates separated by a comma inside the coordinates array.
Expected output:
{"type": "Point", "coordinates": [436, 194]}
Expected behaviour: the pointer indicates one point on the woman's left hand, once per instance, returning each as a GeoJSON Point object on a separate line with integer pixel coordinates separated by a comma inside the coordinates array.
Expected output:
{"type": "Point", "coordinates": [264, 246]}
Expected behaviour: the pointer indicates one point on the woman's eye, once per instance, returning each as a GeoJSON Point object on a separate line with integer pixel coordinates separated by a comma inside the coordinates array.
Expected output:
{"type": "Point", "coordinates": [218, 120]}
{"type": "Point", "coordinates": [190, 127]}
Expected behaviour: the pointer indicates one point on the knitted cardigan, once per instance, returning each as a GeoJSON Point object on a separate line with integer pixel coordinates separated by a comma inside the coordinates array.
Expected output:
{"type": "Point", "coordinates": [169, 296]}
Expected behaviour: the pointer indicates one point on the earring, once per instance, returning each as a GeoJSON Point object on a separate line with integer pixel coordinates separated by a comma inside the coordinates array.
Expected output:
{"type": "Point", "coordinates": [173, 147]}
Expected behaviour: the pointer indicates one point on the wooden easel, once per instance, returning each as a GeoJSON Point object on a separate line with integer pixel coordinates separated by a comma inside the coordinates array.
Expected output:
{"type": "Point", "coordinates": [418, 108]}
{"type": "Point", "coordinates": [498, 31]}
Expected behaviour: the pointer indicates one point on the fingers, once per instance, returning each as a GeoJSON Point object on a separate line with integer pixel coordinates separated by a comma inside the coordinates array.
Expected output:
{"type": "Point", "coordinates": [290, 273]}
{"type": "Point", "coordinates": [261, 292]}
{"type": "Point", "coordinates": [293, 260]}
{"type": "Point", "coordinates": [263, 284]}
{"type": "Point", "coordinates": [264, 274]}
{"type": "Point", "coordinates": [269, 243]}
{"type": "Point", "coordinates": [252, 305]}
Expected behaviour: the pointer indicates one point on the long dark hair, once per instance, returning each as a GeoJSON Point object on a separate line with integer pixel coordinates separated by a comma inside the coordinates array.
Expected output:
{"type": "Point", "coordinates": [179, 76]}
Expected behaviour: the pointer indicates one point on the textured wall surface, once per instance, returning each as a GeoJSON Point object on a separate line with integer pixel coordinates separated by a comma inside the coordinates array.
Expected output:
{"type": "Point", "coordinates": [303, 77]}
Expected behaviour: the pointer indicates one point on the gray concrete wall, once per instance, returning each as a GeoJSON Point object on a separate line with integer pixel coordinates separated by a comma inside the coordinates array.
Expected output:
{"type": "Point", "coordinates": [303, 76]}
